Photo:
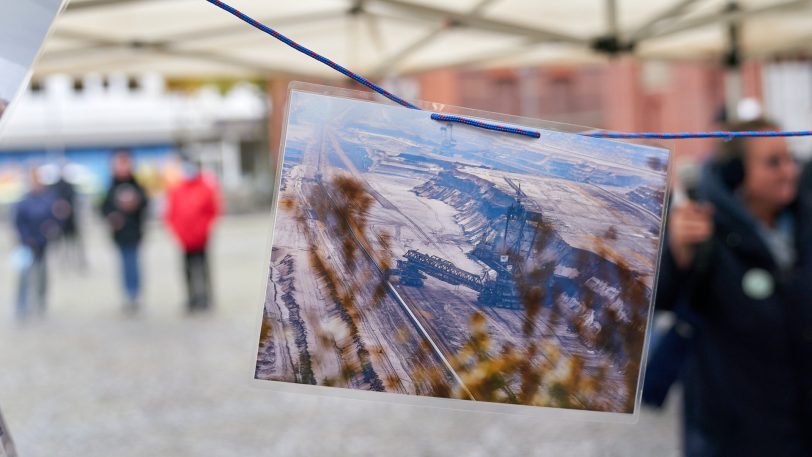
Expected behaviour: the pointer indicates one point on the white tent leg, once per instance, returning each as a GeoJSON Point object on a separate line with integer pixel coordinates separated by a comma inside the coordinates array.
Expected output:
{"type": "Point", "coordinates": [612, 27]}
{"type": "Point", "coordinates": [733, 93]}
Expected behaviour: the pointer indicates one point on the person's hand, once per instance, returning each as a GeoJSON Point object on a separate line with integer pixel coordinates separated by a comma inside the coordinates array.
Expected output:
{"type": "Point", "coordinates": [689, 224]}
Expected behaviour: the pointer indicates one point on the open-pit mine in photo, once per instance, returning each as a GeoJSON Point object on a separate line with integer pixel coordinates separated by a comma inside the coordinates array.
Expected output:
{"type": "Point", "coordinates": [423, 258]}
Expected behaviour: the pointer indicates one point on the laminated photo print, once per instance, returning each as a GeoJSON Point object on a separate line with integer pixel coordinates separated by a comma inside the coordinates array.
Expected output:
{"type": "Point", "coordinates": [6, 445]}
{"type": "Point", "coordinates": [455, 266]}
{"type": "Point", "coordinates": [23, 28]}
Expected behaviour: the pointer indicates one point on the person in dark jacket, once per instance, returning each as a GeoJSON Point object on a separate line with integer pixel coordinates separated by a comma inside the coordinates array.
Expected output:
{"type": "Point", "coordinates": [67, 211]}
{"type": "Point", "coordinates": [36, 225]}
{"type": "Point", "coordinates": [192, 208]}
{"type": "Point", "coordinates": [125, 208]}
{"type": "Point", "coordinates": [743, 259]}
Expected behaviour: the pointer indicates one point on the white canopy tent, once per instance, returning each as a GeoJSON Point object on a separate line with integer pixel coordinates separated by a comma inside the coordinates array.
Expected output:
{"type": "Point", "coordinates": [382, 38]}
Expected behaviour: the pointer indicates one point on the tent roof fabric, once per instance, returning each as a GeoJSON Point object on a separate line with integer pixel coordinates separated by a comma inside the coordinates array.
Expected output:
{"type": "Point", "coordinates": [382, 38]}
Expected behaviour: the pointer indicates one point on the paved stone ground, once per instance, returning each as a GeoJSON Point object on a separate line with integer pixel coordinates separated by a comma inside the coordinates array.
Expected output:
{"type": "Point", "coordinates": [86, 381]}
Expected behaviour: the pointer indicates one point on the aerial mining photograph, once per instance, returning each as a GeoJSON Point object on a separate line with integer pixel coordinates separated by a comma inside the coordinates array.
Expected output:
{"type": "Point", "coordinates": [426, 258]}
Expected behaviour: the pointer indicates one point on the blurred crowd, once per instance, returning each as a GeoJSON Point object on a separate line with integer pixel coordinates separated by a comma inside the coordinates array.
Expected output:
{"type": "Point", "coordinates": [48, 215]}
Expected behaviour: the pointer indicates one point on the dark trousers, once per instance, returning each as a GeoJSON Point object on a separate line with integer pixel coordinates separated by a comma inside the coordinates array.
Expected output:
{"type": "Point", "coordinates": [198, 281]}
{"type": "Point", "coordinates": [32, 286]}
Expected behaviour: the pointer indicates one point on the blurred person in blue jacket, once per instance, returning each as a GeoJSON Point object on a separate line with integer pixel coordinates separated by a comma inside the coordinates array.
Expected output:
{"type": "Point", "coordinates": [741, 257]}
{"type": "Point", "coordinates": [125, 208]}
{"type": "Point", "coordinates": [35, 225]}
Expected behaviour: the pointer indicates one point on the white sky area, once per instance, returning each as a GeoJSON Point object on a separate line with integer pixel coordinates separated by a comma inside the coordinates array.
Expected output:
{"type": "Point", "coordinates": [23, 26]}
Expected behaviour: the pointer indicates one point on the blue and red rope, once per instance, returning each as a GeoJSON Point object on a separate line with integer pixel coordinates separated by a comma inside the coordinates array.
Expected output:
{"type": "Point", "coordinates": [485, 125]}
{"type": "Point", "coordinates": [488, 125]}
{"type": "Point", "coordinates": [688, 135]}
{"type": "Point", "coordinates": [354, 76]}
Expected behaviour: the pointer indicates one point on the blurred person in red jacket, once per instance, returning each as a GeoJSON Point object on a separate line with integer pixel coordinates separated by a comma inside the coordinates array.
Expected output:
{"type": "Point", "coordinates": [193, 205]}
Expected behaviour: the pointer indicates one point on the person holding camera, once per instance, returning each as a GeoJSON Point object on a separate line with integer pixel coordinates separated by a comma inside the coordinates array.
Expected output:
{"type": "Point", "coordinates": [740, 255]}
